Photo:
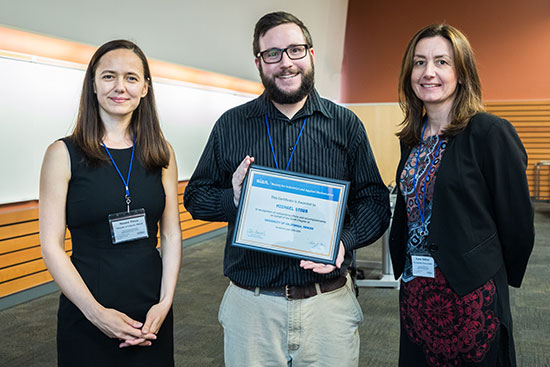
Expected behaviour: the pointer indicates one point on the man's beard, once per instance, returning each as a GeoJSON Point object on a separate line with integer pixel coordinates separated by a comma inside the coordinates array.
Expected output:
{"type": "Point", "coordinates": [279, 96]}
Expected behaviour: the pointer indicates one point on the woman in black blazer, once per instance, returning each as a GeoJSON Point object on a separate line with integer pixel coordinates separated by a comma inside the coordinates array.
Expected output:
{"type": "Point", "coordinates": [463, 223]}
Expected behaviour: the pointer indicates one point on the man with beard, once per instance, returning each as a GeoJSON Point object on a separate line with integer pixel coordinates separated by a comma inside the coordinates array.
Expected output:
{"type": "Point", "coordinates": [282, 311]}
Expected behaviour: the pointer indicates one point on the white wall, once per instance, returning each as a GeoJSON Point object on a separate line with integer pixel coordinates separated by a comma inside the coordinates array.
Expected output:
{"type": "Point", "coordinates": [39, 104]}
{"type": "Point", "coordinates": [213, 35]}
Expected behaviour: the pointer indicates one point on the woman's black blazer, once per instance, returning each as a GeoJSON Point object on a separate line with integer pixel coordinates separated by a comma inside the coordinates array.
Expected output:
{"type": "Point", "coordinates": [482, 216]}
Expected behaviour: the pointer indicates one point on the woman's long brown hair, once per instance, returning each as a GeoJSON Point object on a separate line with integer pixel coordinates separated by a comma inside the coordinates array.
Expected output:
{"type": "Point", "coordinates": [468, 90]}
{"type": "Point", "coordinates": [151, 146]}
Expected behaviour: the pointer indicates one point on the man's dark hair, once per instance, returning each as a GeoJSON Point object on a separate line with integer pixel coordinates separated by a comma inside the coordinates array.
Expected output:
{"type": "Point", "coordinates": [272, 20]}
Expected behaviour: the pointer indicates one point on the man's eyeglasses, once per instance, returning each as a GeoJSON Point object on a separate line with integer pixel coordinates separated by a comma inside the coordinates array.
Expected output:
{"type": "Point", "coordinates": [274, 55]}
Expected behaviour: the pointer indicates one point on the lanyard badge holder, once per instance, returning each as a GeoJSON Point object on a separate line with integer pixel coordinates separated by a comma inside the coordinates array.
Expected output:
{"type": "Point", "coordinates": [422, 205]}
{"type": "Point", "coordinates": [131, 224]}
{"type": "Point", "coordinates": [423, 265]}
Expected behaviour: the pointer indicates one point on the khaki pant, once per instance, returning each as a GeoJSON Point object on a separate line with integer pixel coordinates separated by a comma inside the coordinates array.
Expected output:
{"type": "Point", "coordinates": [262, 330]}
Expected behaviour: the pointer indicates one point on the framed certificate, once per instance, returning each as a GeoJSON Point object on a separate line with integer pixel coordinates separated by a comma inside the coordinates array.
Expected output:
{"type": "Point", "coordinates": [291, 214]}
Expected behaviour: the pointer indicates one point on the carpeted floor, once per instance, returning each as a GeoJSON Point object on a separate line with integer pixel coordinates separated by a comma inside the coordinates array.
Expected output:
{"type": "Point", "coordinates": [28, 330]}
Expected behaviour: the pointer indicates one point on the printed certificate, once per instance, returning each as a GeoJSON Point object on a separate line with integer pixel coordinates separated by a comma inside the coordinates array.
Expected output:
{"type": "Point", "coordinates": [291, 214]}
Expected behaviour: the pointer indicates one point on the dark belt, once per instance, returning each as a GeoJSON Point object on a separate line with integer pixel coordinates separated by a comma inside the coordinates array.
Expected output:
{"type": "Point", "coordinates": [298, 291]}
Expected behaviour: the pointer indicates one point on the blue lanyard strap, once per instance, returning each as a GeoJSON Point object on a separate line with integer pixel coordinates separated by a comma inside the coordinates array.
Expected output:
{"type": "Point", "coordinates": [422, 208]}
{"type": "Point", "coordinates": [293, 149]}
{"type": "Point", "coordinates": [127, 181]}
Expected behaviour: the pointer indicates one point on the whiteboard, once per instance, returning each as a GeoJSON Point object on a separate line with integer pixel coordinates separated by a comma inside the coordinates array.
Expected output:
{"type": "Point", "coordinates": [39, 104]}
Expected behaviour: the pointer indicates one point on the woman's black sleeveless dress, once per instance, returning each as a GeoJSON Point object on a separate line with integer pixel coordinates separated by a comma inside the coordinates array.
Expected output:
{"type": "Point", "coordinates": [125, 276]}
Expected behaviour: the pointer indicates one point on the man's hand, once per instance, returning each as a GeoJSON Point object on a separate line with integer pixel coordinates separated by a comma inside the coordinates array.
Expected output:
{"type": "Point", "coordinates": [238, 178]}
{"type": "Point", "coordinates": [325, 268]}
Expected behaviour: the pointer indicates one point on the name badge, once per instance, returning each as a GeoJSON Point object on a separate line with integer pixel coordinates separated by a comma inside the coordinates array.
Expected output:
{"type": "Point", "coordinates": [128, 226]}
{"type": "Point", "coordinates": [423, 266]}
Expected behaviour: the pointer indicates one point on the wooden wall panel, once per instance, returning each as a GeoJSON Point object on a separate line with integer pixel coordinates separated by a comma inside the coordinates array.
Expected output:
{"type": "Point", "coordinates": [21, 264]}
{"type": "Point", "coordinates": [532, 122]}
{"type": "Point", "coordinates": [382, 122]}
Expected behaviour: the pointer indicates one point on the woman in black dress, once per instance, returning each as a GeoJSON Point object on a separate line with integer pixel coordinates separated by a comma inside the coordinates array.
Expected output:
{"type": "Point", "coordinates": [112, 182]}
{"type": "Point", "coordinates": [463, 223]}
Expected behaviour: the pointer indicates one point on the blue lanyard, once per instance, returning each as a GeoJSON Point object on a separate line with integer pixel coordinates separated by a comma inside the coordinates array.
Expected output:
{"type": "Point", "coordinates": [422, 208]}
{"type": "Point", "coordinates": [293, 149]}
{"type": "Point", "coordinates": [127, 181]}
